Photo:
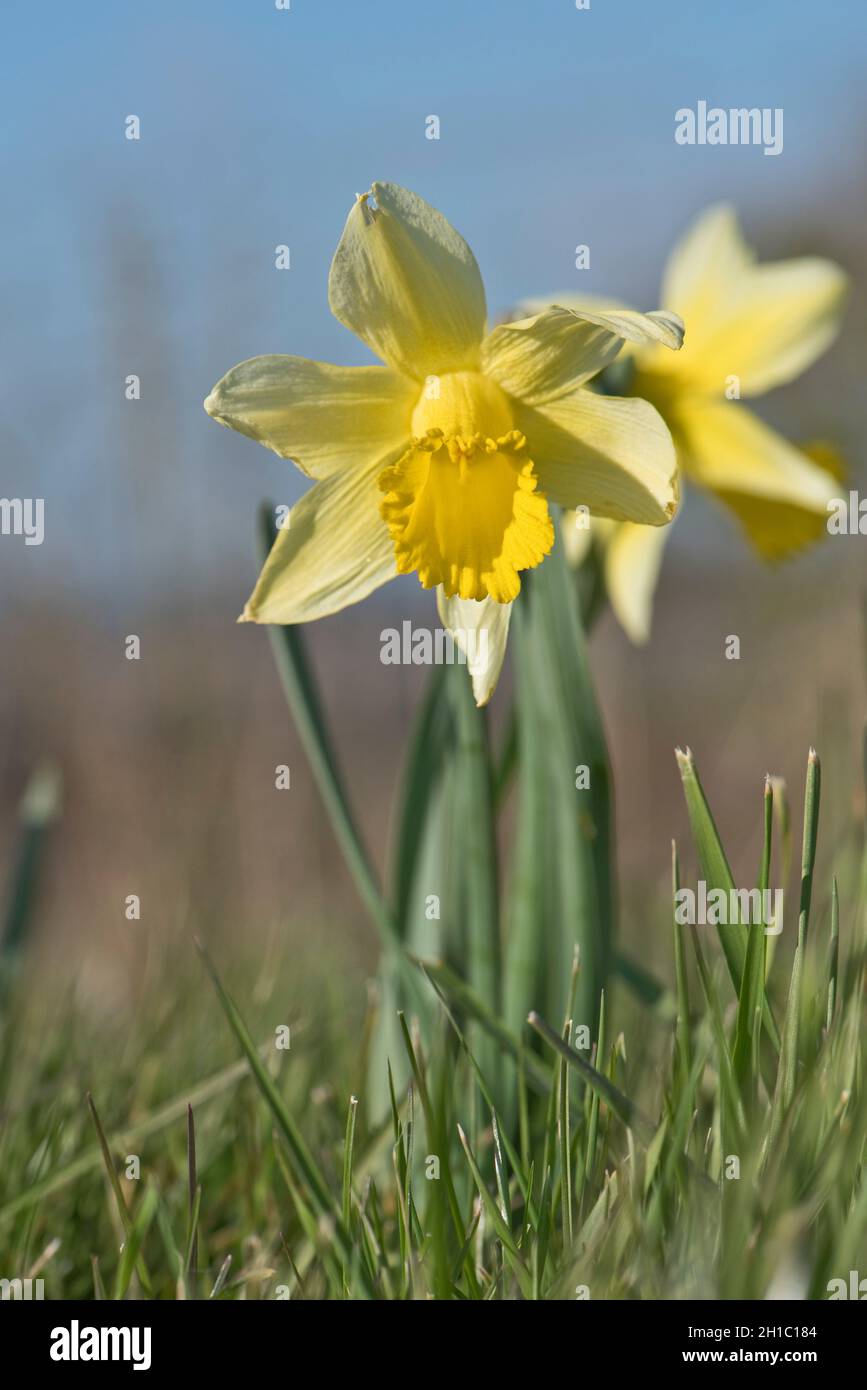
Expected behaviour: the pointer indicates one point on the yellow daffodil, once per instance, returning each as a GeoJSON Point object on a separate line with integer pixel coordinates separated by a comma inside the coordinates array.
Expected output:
{"type": "Point", "coordinates": [443, 461]}
{"type": "Point", "coordinates": [749, 327]}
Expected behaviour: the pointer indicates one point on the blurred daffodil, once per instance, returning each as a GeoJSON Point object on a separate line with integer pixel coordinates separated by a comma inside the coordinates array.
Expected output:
{"type": "Point", "coordinates": [749, 328]}
{"type": "Point", "coordinates": [443, 461]}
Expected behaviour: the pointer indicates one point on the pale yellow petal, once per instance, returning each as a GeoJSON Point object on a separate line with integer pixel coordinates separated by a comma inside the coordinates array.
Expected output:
{"type": "Point", "coordinates": [481, 630]}
{"type": "Point", "coordinates": [538, 359]}
{"type": "Point", "coordinates": [704, 265]}
{"type": "Point", "coordinates": [612, 455]}
{"type": "Point", "coordinates": [776, 322]}
{"type": "Point", "coordinates": [779, 495]}
{"type": "Point", "coordinates": [324, 417]}
{"type": "Point", "coordinates": [750, 327]}
{"type": "Point", "coordinates": [335, 551]}
{"type": "Point", "coordinates": [408, 284]}
{"type": "Point", "coordinates": [640, 333]}
{"type": "Point", "coordinates": [633, 557]}
{"type": "Point", "coordinates": [661, 326]}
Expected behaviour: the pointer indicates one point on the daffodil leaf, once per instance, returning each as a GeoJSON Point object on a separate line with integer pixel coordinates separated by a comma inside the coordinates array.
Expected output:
{"type": "Point", "coordinates": [474, 857]}
{"type": "Point", "coordinates": [560, 892]}
{"type": "Point", "coordinates": [418, 874]}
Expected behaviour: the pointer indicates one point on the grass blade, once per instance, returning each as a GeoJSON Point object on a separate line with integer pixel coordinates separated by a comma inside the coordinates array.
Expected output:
{"type": "Point", "coordinates": [622, 1106]}
{"type": "Point", "coordinates": [114, 1183]}
{"type": "Point", "coordinates": [715, 868]}
{"type": "Point", "coordinates": [753, 981]}
{"type": "Point", "coordinates": [130, 1257]}
{"type": "Point", "coordinates": [833, 955]}
{"type": "Point", "coordinates": [682, 1028]}
{"type": "Point", "coordinates": [348, 1147]}
{"type": "Point", "coordinates": [303, 1159]}
{"type": "Point", "coordinates": [811, 835]}
{"type": "Point", "coordinates": [194, 1196]}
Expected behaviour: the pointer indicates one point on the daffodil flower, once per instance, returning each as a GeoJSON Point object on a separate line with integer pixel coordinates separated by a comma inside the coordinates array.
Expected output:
{"type": "Point", "coordinates": [443, 461]}
{"type": "Point", "coordinates": [750, 327]}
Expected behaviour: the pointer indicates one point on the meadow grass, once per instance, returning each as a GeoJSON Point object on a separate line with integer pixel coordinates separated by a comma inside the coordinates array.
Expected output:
{"type": "Point", "coordinates": [709, 1143]}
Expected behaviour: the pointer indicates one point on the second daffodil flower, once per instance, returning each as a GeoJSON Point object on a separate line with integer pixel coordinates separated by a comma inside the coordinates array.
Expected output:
{"type": "Point", "coordinates": [443, 461]}
{"type": "Point", "coordinates": [749, 328]}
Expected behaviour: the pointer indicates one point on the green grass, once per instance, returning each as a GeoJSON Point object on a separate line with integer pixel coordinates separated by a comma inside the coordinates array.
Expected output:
{"type": "Point", "coordinates": [550, 1172]}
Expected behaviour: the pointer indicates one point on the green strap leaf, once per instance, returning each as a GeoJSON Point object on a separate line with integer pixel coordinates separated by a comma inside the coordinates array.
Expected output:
{"type": "Point", "coordinates": [562, 887]}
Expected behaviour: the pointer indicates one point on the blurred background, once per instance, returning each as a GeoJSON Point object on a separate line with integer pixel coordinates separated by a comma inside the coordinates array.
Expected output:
{"type": "Point", "coordinates": [155, 257]}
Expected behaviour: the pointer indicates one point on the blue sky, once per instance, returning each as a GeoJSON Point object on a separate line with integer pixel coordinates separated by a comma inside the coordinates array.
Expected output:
{"type": "Point", "coordinates": [258, 126]}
